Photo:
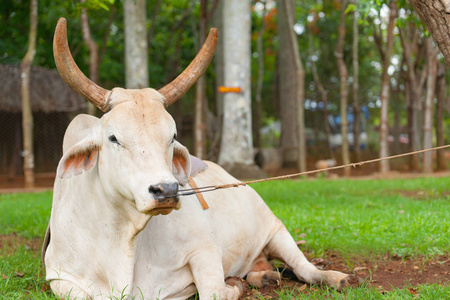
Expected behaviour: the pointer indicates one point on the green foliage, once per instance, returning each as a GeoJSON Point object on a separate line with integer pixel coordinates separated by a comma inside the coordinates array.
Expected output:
{"type": "Point", "coordinates": [174, 43]}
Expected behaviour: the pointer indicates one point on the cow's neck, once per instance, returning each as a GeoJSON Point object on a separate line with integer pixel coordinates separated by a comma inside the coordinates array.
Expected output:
{"type": "Point", "coordinates": [113, 229]}
{"type": "Point", "coordinates": [127, 222]}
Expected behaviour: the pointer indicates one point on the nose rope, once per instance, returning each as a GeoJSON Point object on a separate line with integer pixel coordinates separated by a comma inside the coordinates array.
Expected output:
{"type": "Point", "coordinates": [210, 188]}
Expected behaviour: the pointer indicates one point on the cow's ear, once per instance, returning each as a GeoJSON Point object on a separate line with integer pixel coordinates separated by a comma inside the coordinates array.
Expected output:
{"type": "Point", "coordinates": [80, 157]}
{"type": "Point", "coordinates": [181, 163]}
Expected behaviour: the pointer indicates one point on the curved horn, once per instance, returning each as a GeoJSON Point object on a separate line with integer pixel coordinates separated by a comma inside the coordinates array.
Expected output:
{"type": "Point", "coordinates": [174, 90]}
{"type": "Point", "coordinates": [70, 72]}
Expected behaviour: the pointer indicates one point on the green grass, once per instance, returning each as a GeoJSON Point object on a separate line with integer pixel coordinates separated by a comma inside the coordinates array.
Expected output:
{"type": "Point", "coordinates": [364, 217]}
{"type": "Point", "coordinates": [25, 214]}
{"type": "Point", "coordinates": [354, 218]}
{"type": "Point", "coordinates": [366, 291]}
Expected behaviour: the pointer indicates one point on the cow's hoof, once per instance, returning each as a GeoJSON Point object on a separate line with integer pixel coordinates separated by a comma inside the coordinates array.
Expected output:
{"type": "Point", "coordinates": [236, 282]}
{"type": "Point", "coordinates": [336, 279]}
{"type": "Point", "coordinates": [263, 278]}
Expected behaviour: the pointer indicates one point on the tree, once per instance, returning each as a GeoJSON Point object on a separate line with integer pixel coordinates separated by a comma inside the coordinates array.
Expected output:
{"type": "Point", "coordinates": [386, 86]}
{"type": "Point", "coordinates": [434, 13]}
{"type": "Point", "coordinates": [431, 65]}
{"type": "Point", "coordinates": [343, 74]}
{"type": "Point", "coordinates": [287, 9]}
{"type": "Point", "coordinates": [355, 87]}
{"type": "Point", "coordinates": [441, 90]}
{"type": "Point", "coordinates": [236, 153]}
{"type": "Point", "coordinates": [413, 87]}
{"type": "Point", "coordinates": [27, 114]}
{"type": "Point", "coordinates": [291, 88]}
{"type": "Point", "coordinates": [260, 81]}
{"type": "Point", "coordinates": [323, 95]}
{"type": "Point", "coordinates": [200, 87]}
{"type": "Point", "coordinates": [93, 54]}
{"type": "Point", "coordinates": [136, 47]}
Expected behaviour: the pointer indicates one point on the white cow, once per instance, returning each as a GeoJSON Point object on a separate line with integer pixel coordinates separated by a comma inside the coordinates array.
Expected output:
{"type": "Point", "coordinates": [116, 227]}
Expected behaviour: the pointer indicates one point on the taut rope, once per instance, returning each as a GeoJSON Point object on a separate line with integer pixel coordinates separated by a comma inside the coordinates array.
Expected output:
{"type": "Point", "coordinates": [243, 183]}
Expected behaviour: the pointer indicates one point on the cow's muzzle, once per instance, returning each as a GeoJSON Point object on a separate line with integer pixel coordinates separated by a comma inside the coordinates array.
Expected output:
{"type": "Point", "coordinates": [166, 198]}
{"type": "Point", "coordinates": [164, 191]}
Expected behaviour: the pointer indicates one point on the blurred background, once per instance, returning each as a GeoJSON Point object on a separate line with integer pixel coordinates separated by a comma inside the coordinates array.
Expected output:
{"type": "Point", "coordinates": [326, 82]}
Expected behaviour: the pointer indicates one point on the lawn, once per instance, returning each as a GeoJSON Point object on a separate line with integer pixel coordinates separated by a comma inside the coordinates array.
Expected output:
{"type": "Point", "coordinates": [352, 218]}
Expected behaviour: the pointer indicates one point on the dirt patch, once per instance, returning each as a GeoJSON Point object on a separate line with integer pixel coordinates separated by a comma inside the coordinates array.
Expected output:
{"type": "Point", "coordinates": [421, 195]}
{"type": "Point", "coordinates": [43, 182]}
{"type": "Point", "coordinates": [12, 242]}
{"type": "Point", "coordinates": [384, 274]}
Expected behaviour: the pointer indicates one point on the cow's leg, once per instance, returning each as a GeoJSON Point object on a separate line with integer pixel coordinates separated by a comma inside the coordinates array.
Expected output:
{"type": "Point", "coordinates": [262, 273]}
{"type": "Point", "coordinates": [209, 278]}
{"type": "Point", "coordinates": [67, 290]}
{"type": "Point", "coordinates": [283, 247]}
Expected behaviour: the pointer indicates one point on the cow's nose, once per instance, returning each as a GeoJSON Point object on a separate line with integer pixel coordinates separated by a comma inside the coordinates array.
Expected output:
{"type": "Point", "coordinates": [164, 190]}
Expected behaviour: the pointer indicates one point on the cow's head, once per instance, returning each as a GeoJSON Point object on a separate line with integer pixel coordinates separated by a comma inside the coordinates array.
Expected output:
{"type": "Point", "coordinates": [134, 143]}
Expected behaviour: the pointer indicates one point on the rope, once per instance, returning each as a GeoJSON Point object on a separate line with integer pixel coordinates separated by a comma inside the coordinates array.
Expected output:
{"type": "Point", "coordinates": [225, 186]}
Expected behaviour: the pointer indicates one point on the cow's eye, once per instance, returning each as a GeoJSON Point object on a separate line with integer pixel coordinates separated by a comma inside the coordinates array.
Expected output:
{"type": "Point", "coordinates": [113, 139]}
{"type": "Point", "coordinates": [174, 138]}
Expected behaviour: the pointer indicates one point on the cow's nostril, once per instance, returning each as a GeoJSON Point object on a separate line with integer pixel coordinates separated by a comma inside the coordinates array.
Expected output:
{"type": "Point", "coordinates": [155, 190]}
{"type": "Point", "coordinates": [163, 190]}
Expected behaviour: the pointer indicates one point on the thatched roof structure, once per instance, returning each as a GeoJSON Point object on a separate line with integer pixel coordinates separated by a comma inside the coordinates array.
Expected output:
{"type": "Point", "coordinates": [48, 92]}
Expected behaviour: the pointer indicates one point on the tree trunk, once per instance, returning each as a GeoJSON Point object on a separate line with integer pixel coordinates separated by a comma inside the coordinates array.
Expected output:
{"type": "Point", "coordinates": [259, 85]}
{"type": "Point", "coordinates": [412, 94]}
{"type": "Point", "coordinates": [436, 15]}
{"type": "Point", "coordinates": [429, 105]}
{"type": "Point", "coordinates": [93, 55]}
{"type": "Point", "coordinates": [136, 47]}
{"type": "Point", "coordinates": [27, 114]}
{"type": "Point", "coordinates": [287, 86]}
{"type": "Point", "coordinates": [236, 153]}
{"type": "Point", "coordinates": [442, 99]}
{"type": "Point", "coordinates": [343, 73]}
{"type": "Point", "coordinates": [355, 87]}
{"type": "Point", "coordinates": [217, 20]}
{"type": "Point", "coordinates": [385, 89]}
{"type": "Point", "coordinates": [323, 97]}
{"type": "Point", "coordinates": [200, 93]}
{"type": "Point", "coordinates": [288, 11]}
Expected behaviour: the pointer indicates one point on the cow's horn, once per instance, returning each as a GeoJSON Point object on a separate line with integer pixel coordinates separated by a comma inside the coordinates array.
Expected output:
{"type": "Point", "coordinates": [70, 72]}
{"type": "Point", "coordinates": [174, 90]}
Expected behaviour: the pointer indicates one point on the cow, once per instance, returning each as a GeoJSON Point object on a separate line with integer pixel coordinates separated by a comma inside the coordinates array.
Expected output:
{"type": "Point", "coordinates": [118, 227]}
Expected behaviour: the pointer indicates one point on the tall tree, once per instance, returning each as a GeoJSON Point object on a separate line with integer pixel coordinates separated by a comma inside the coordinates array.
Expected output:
{"type": "Point", "coordinates": [236, 153]}
{"type": "Point", "coordinates": [441, 95]}
{"type": "Point", "coordinates": [323, 95]}
{"type": "Point", "coordinates": [355, 87]}
{"type": "Point", "coordinates": [343, 74]}
{"type": "Point", "coordinates": [259, 82]}
{"type": "Point", "coordinates": [93, 54]}
{"type": "Point", "coordinates": [413, 87]}
{"type": "Point", "coordinates": [200, 87]}
{"type": "Point", "coordinates": [136, 47]}
{"type": "Point", "coordinates": [290, 85]}
{"type": "Point", "coordinates": [27, 114]}
{"type": "Point", "coordinates": [386, 88]}
{"type": "Point", "coordinates": [431, 65]}
{"type": "Point", "coordinates": [215, 139]}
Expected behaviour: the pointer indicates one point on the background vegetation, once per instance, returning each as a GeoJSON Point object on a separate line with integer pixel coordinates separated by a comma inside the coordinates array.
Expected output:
{"type": "Point", "coordinates": [173, 31]}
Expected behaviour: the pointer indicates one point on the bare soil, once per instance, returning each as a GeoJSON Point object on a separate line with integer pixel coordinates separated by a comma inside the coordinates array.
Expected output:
{"type": "Point", "coordinates": [385, 274]}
